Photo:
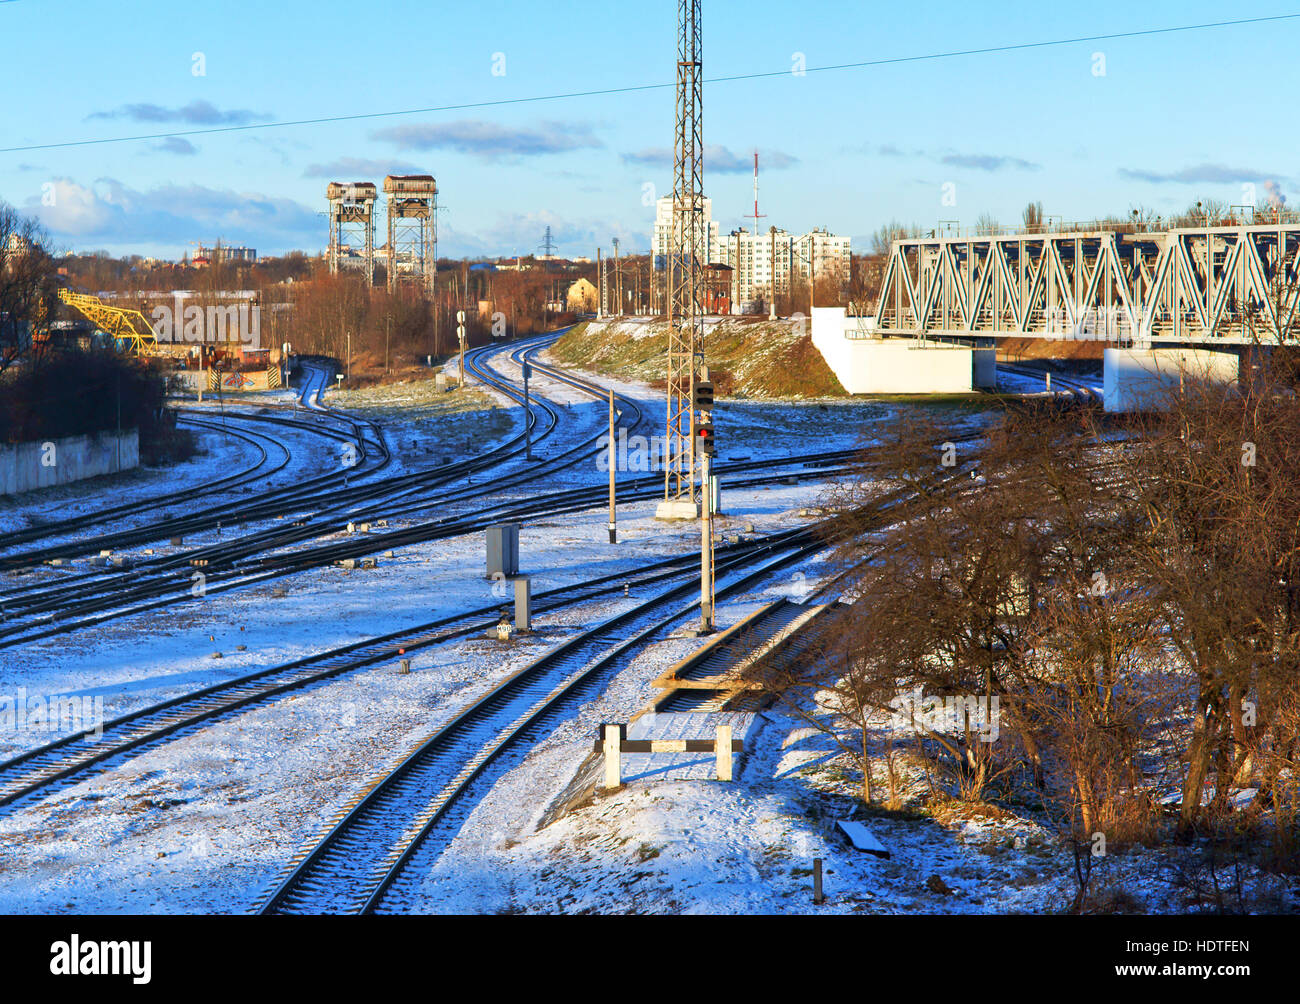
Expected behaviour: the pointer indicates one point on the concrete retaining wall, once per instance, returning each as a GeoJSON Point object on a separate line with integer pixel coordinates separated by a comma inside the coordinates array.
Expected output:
{"type": "Point", "coordinates": [868, 365]}
{"type": "Point", "coordinates": [27, 466]}
{"type": "Point", "coordinates": [1144, 379]}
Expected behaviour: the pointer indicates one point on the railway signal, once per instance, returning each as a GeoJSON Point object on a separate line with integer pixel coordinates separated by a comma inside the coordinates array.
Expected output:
{"type": "Point", "coordinates": [703, 396]}
{"type": "Point", "coordinates": [704, 434]}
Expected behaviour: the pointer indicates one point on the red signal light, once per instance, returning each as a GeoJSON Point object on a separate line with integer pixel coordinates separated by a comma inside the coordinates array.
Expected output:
{"type": "Point", "coordinates": [707, 439]}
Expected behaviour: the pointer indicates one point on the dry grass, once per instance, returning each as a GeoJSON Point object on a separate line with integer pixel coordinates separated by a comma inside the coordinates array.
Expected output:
{"type": "Point", "coordinates": [748, 358]}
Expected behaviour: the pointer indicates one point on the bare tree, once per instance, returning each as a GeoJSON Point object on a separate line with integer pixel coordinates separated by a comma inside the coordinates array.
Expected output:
{"type": "Point", "coordinates": [28, 284]}
{"type": "Point", "coordinates": [883, 239]}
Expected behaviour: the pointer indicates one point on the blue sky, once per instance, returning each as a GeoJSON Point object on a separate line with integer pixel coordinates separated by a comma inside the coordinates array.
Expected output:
{"type": "Point", "coordinates": [1173, 118]}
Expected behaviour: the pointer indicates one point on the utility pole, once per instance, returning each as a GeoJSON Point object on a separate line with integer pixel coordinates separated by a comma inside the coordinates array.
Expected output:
{"type": "Point", "coordinates": [771, 310]}
{"type": "Point", "coordinates": [685, 310]}
{"type": "Point", "coordinates": [706, 511]}
{"type": "Point", "coordinates": [812, 273]}
{"type": "Point", "coordinates": [433, 293]}
{"type": "Point", "coordinates": [618, 282]}
{"type": "Point", "coordinates": [754, 253]}
{"type": "Point", "coordinates": [613, 464]}
{"type": "Point", "coordinates": [600, 286]}
{"type": "Point", "coordinates": [460, 336]}
{"type": "Point", "coordinates": [548, 244]}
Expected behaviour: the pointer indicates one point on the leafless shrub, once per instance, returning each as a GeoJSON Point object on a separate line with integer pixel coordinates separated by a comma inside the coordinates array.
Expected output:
{"type": "Point", "coordinates": [1127, 590]}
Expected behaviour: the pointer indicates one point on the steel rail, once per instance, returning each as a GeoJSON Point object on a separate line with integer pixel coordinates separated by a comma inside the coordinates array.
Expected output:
{"type": "Point", "coordinates": [37, 769]}
{"type": "Point", "coordinates": [444, 764]}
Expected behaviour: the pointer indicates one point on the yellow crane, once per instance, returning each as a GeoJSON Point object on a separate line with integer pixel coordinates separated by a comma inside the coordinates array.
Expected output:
{"type": "Point", "coordinates": [122, 323]}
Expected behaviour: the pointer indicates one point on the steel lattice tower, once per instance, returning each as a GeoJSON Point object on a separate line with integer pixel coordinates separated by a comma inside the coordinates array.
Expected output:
{"type": "Point", "coordinates": [412, 228]}
{"type": "Point", "coordinates": [352, 217]}
{"type": "Point", "coordinates": [687, 243]}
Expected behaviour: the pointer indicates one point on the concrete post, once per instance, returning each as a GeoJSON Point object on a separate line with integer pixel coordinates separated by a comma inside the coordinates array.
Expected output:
{"type": "Point", "coordinates": [613, 773]}
{"type": "Point", "coordinates": [722, 752]}
{"type": "Point", "coordinates": [523, 603]}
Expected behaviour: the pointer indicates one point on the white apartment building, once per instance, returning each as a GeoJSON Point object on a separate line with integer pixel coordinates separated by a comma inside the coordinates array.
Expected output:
{"type": "Point", "coordinates": [765, 261]}
{"type": "Point", "coordinates": [224, 252]}
{"type": "Point", "coordinates": [661, 243]}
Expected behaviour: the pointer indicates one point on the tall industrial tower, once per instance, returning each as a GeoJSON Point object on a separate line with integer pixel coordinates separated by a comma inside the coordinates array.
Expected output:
{"type": "Point", "coordinates": [757, 214]}
{"type": "Point", "coordinates": [352, 218]}
{"type": "Point", "coordinates": [412, 228]}
{"type": "Point", "coordinates": [548, 247]}
{"type": "Point", "coordinates": [690, 394]}
{"type": "Point", "coordinates": [685, 272]}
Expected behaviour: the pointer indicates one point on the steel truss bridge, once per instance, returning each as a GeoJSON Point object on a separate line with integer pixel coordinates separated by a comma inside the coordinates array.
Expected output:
{"type": "Point", "coordinates": [1211, 284]}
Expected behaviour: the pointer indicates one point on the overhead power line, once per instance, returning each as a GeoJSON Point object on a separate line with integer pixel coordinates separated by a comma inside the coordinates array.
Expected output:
{"type": "Point", "coordinates": [635, 88]}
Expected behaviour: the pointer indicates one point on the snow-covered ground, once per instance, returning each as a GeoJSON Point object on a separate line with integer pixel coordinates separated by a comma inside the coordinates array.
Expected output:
{"type": "Point", "coordinates": [204, 821]}
{"type": "Point", "coordinates": [762, 430]}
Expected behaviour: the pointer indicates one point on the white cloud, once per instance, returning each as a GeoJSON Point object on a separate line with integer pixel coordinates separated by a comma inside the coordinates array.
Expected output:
{"type": "Point", "coordinates": [111, 213]}
{"type": "Point", "coordinates": [490, 140]}
{"type": "Point", "coordinates": [717, 159]}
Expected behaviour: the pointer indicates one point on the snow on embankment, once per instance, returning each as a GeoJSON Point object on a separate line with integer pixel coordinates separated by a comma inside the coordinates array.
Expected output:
{"type": "Point", "coordinates": [748, 357]}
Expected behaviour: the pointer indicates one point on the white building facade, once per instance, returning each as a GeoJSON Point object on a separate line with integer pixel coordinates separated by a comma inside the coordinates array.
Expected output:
{"type": "Point", "coordinates": [661, 244]}
{"type": "Point", "coordinates": [764, 263]}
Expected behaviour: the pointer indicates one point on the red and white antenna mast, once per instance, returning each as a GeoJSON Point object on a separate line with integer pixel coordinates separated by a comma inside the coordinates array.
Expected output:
{"type": "Point", "coordinates": [756, 212]}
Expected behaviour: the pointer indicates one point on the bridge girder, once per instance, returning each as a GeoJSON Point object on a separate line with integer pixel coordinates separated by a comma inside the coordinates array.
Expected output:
{"type": "Point", "coordinates": [1213, 285]}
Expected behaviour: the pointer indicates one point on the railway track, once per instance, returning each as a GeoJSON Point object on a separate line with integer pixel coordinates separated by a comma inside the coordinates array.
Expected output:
{"type": "Point", "coordinates": [39, 770]}
{"type": "Point", "coordinates": [62, 609]}
{"type": "Point", "coordinates": [1077, 387]}
{"type": "Point", "coordinates": [264, 505]}
{"type": "Point", "coordinates": [92, 598]}
{"type": "Point", "coordinates": [264, 468]}
{"type": "Point", "coordinates": [323, 495]}
{"type": "Point", "coordinates": [279, 504]}
{"type": "Point", "coordinates": [360, 864]}
{"type": "Point", "coordinates": [366, 847]}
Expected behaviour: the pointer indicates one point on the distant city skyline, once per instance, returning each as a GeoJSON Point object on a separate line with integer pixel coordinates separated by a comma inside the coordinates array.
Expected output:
{"type": "Point", "coordinates": [1087, 128]}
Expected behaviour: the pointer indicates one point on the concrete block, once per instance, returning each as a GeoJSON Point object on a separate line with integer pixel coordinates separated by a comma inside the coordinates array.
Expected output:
{"type": "Point", "coordinates": [1149, 379]}
{"type": "Point", "coordinates": [895, 365]}
{"type": "Point", "coordinates": [677, 509]}
{"type": "Point", "coordinates": [523, 603]}
{"type": "Point", "coordinates": [503, 549]}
